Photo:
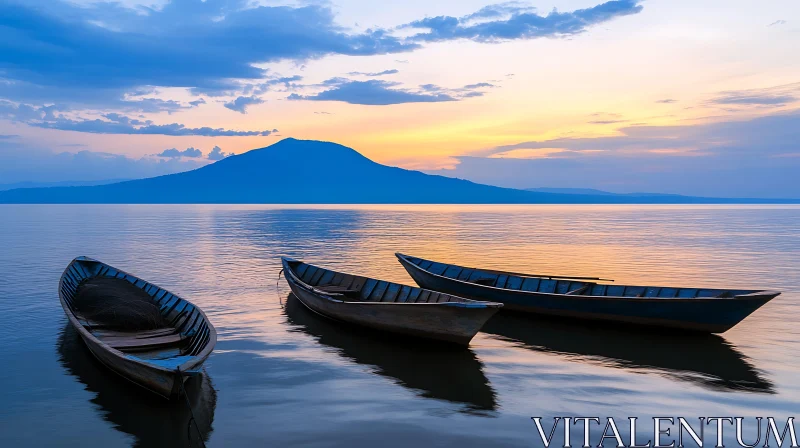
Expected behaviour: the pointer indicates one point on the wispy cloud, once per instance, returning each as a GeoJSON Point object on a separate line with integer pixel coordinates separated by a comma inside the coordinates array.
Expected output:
{"type": "Point", "coordinates": [667, 101]}
{"type": "Point", "coordinates": [777, 22]}
{"type": "Point", "coordinates": [110, 123]}
{"type": "Point", "coordinates": [98, 126]}
{"type": "Point", "coordinates": [374, 74]}
{"type": "Point", "coordinates": [607, 121]}
{"type": "Point", "coordinates": [767, 97]}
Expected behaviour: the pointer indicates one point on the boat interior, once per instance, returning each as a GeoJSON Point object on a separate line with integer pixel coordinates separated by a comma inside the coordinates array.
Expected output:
{"type": "Point", "coordinates": [564, 285]}
{"type": "Point", "coordinates": [133, 316]}
{"type": "Point", "coordinates": [354, 288]}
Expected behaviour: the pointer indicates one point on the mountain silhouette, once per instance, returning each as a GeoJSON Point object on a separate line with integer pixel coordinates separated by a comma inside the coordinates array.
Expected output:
{"type": "Point", "coordinates": [308, 171]}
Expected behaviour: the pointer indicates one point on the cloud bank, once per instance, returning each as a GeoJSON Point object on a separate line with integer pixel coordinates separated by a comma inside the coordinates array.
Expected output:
{"type": "Point", "coordinates": [102, 52]}
{"type": "Point", "coordinates": [750, 158]}
{"type": "Point", "coordinates": [25, 164]}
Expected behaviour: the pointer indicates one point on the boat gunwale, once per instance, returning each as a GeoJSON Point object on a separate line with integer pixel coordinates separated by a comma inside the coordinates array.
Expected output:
{"type": "Point", "coordinates": [755, 294]}
{"type": "Point", "coordinates": [469, 303]}
{"type": "Point", "coordinates": [184, 368]}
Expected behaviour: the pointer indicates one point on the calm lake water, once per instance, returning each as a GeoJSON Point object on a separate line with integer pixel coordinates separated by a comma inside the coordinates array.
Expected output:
{"type": "Point", "coordinates": [281, 376]}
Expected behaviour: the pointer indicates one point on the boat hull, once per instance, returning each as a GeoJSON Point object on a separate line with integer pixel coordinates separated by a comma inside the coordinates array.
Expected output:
{"type": "Point", "coordinates": [160, 376]}
{"type": "Point", "coordinates": [707, 315]}
{"type": "Point", "coordinates": [155, 380]}
{"type": "Point", "coordinates": [443, 322]}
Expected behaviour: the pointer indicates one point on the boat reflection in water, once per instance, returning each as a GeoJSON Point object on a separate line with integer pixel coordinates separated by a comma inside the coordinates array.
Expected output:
{"type": "Point", "coordinates": [706, 360]}
{"type": "Point", "coordinates": [152, 420]}
{"type": "Point", "coordinates": [430, 369]}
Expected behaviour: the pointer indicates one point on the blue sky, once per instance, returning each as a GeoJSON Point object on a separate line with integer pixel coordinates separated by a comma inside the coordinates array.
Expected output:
{"type": "Point", "coordinates": [622, 95]}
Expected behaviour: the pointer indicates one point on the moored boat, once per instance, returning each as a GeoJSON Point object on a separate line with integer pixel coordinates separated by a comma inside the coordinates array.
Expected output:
{"type": "Point", "coordinates": [387, 306]}
{"type": "Point", "coordinates": [693, 309]}
{"type": "Point", "coordinates": [144, 333]}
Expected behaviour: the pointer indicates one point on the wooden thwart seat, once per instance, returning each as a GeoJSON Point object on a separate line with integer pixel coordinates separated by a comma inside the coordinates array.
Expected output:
{"type": "Point", "coordinates": [103, 334]}
{"type": "Point", "coordinates": [141, 340]}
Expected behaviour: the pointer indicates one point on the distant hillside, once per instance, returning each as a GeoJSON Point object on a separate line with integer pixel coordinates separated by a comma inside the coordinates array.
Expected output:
{"type": "Point", "coordinates": [77, 183]}
{"type": "Point", "coordinates": [592, 191]}
{"type": "Point", "coordinates": [309, 172]}
{"type": "Point", "coordinates": [589, 191]}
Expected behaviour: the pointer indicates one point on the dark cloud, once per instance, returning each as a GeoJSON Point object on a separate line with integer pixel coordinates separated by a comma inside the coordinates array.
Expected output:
{"type": "Point", "coordinates": [187, 43]}
{"type": "Point", "coordinates": [240, 104]}
{"type": "Point", "coordinates": [8, 136]}
{"type": "Point", "coordinates": [374, 74]}
{"type": "Point", "coordinates": [188, 152]}
{"type": "Point", "coordinates": [102, 52]}
{"type": "Point", "coordinates": [519, 22]}
{"type": "Point", "coordinates": [217, 154]}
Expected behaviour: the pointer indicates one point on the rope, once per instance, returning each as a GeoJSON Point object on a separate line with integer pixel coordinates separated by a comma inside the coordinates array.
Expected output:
{"type": "Point", "coordinates": [191, 412]}
{"type": "Point", "coordinates": [277, 289]}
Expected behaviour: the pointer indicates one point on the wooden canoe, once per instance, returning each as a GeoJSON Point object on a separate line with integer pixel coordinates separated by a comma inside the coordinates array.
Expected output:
{"type": "Point", "coordinates": [387, 306]}
{"type": "Point", "coordinates": [692, 309]}
{"type": "Point", "coordinates": [144, 333]}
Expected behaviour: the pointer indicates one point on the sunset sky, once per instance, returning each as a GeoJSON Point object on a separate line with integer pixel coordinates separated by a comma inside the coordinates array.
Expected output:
{"type": "Point", "coordinates": [666, 96]}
